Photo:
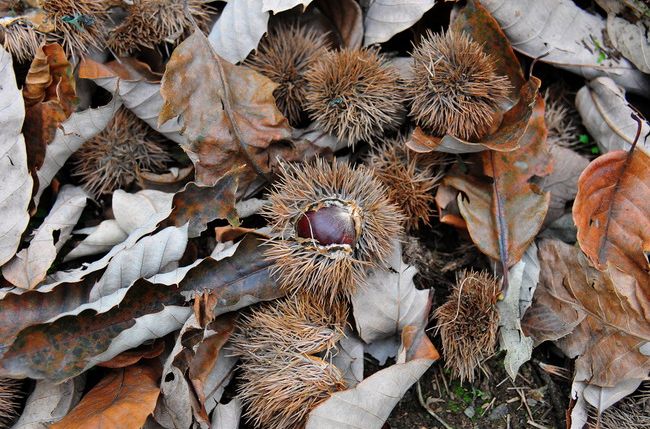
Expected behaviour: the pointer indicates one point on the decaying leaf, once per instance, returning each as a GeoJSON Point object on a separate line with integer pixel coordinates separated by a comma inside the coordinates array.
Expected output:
{"type": "Point", "coordinates": [608, 116]}
{"type": "Point", "coordinates": [386, 18]}
{"type": "Point", "coordinates": [558, 32]}
{"type": "Point", "coordinates": [503, 217]}
{"type": "Point", "coordinates": [126, 79]}
{"type": "Point", "coordinates": [50, 402]}
{"type": "Point", "coordinates": [523, 282]}
{"type": "Point", "coordinates": [229, 113]}
{"type": "Point", "coordinates": [239, 29]}
{"type": "Point", "coordinates": [15, 180]}
{"type": "Point", "coordinates": [612, 213]}
{"type": "Point", "coordinates": [71, 344]}
{"type": "Point", "coordinates": [71, 134]}
{"type": "Point", "coordinates": [631, 40]}
{"type": "Point", "coordinates": [122, 399]}
{"type": "Point", "coordinates": [133, 214]}
{"type": "Point", "coordinates": [593, 315]}
{"type": "Point", "coordinates": [369, 403]}
{"type": "Point", "coordinates": [389, 301]}
{"type": "Point", "coordinates": [29, 267]}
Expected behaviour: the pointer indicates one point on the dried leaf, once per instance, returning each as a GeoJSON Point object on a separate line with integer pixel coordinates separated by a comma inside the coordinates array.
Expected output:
{"type": "Point", "coordinates": [200, 205]}
{"type": "Point", "coordinates": [15, 180]}
{"type": "Point", "coordinates": [347, 18]}
{"type": "Point", "coordinates": [133, 212]}
{"type": "Point", "coordinates": [131, 357]}
{"type": "Point", "coordinates": [386, 18]}
{"type": "Point", "coordinates": [29, 267]}
{"type": "Point", "coordinates": [523, 278]}
{"type": "Point", "coordinates": [50, 402]}
{"type": "Point", "coordinates": [631, 40]}
{"type": "Point", "coordinates": [73, 132]}
{"type": "Point", "coordinates": [389, 301]}
{"type": "Point", "coordinates": [349, 358]}
{"type": "Point", "coordinates": [596, 316]}
{"type": "Point", "coordinates": [612, 213]}
{"type": "Point", "coordinates": [71, 344]}
{"type": "Point", "coordinates": [239, 29]}
{"type": "Point", "coordinates": [123, 78]}
{"type": "Point", "coordinates": [276, 6]}
{"type": "Point", "coordinates": [504, 217]}
{"type": "Point", "coordinates": [558, 32]}
{"type": "Point", "coordinates": [369, 404]}
{"type": "Point", "coordinates": [123, 399]}
{"type": "Point", "coordinates": [227, 416]}
{"type": "Point", "coordinates": [608, 116]}
{"type": "Point", "coordinates": [562, 183]}
{"type": "Point", "coordinates": [229, 113]}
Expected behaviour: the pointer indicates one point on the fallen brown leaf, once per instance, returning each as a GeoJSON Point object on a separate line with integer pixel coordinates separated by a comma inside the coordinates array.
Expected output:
{"type": "Point", "coordinates": [121, 400]}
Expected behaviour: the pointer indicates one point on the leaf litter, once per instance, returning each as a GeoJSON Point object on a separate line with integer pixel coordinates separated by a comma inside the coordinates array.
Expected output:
{"type": "Point", "coordinates": [324, 214]}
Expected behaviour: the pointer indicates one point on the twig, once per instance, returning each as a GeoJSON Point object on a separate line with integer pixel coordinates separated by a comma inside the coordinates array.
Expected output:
{"type": "Point", "coordinates": [429, 410]}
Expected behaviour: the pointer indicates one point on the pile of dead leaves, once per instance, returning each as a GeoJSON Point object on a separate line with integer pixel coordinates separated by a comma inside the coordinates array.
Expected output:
{"type": "Point", "coordinates": [161, 199]}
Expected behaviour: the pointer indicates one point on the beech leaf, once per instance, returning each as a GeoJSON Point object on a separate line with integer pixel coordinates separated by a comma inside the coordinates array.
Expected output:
{"type": "Point", "coordinates": [29, 267]}
{"type": "Point", "coordinates": [229, 114]}
{"type": "Point", "coordinates": [15, 180]}
{"type": "Point", "coordinates": [239, 29]}
{"type": "Point", "coordinates": [369, 404]}
{"type": "Point", "coordinates": [608, 116]}
{"type": "Point", "coordinates": [560, 33]}
{"type": "Point", "coordinates": [122, 399]}
{"type": "Point", "coordinates": [612, 213]}
{"type": "Point", "coordinates": [73, 132]}
{"type": "Point", "coordinates": [386, 18]}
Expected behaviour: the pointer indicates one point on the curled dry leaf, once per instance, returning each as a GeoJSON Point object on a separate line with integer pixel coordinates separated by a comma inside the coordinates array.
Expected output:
{"type": "Point", "coordinates": [389, 301]}
{"type": "Point", "coordinates": [71, 344]}
{"type": "Point", "coordinates": [200, 205]}
{"type": "Point", "coordinates": [369, 404]}
{"type": "Point", "coordinates": [474, 20]}
{"type": "Point", "coordinates": [612, 213]}
{"type": "Point", "coordinates": [239, 29]}
{"type": "Point", "coordinates": [72, 133]}
{"type": "Point", "coordinates": [15, 180]}
{"type": "Point", "coordinates": [608, 116]}
{"type": "Point", "coordinates": [128, 79]}
{"type": "Point", "coordinates": [631, 40]}
{"type": "Point", "coordinates": [47, 105]}
{"type": "Point", "coordinates": [29, 267]}
{"type": "Point", "coordinates": [558, 32]}
{"type": "Point", "coordinates": [593, 315]}
{"type": "Point", "coordinates": [386, 18]}
{"type": "Point", "coordinates": [503, 217]}
{"type": "Point", "coordinates": [229, 113]}
{"type": "Point", "coordinates": [122, 399]}
{"type": "Point", "coordinates": [50, 402]}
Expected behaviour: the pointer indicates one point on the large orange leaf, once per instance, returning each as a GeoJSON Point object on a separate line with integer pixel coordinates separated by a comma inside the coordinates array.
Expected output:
{"type": "Point", "coordinates": [503, 217]}
{"type": "Point", "coordinates": [591, 315]}
{"type": "Point", "coordinates": [612, 213]}
{"type": "Point", "coordinates": [229, 114]}
{"type": "Point", "coordinates": [121, 400]}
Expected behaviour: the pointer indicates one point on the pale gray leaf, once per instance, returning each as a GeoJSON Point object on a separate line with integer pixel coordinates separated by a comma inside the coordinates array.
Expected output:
{"type": "Point", "coordinates": [227, 416]}
{"type": "Point", "coordinates": [562, 183]}
{"type": "Point", "coordinates": [239, 29]}
{"type": "Point", "coordinates": [559, 33]}
{"type": "Point", "coordinates": [15, 180]}
{"type": "Point", "coordinates": [631, 40]}
{"type": "Point", "coordinates": [523, 278]}
{"type": "Point", "coordinates": [389, 301]}
{"type": "Point", "coordinates": [50, 402]}
{"type": "Point", "coordinates": [349, 358]}
{"type": "Point", "coordinates": [386, 18]}
{"type": "Point", "coordinates": [29, 267]}
{"type": "Point", "coordinates": [100, 239]}
{"type": "Point", "coordinates": [607, 116]}
{"type": "Point", "coordinates": [71, 134]}
{"type": "Point", "coordinates": [276, 6]}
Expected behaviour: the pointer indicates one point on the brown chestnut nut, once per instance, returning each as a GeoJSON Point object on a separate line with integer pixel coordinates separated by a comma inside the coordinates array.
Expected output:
{"type": "Point", "coordinates": [328, 225]}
